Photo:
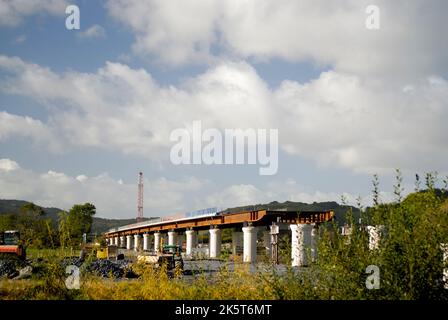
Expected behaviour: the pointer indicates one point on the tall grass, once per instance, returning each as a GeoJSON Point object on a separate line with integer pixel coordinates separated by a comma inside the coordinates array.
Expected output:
{"type": "Point", "coordinates": [409, 259]}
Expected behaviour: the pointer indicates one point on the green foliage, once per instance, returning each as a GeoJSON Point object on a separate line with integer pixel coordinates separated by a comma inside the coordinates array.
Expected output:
{"type": "Point", "coordinates": [35, 229]}
{"type": "Point", "coordinates": [76, 222]}
{"type": "Point", "coordinates": [409, 255]}
{"type": "Point", "coordinates": [409, 258]}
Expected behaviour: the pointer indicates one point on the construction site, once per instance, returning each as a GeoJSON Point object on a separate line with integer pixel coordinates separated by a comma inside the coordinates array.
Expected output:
{"type": "Point", "coordinates": [188, 243]}
{"type": "Point", "coordinates": [200, 252]}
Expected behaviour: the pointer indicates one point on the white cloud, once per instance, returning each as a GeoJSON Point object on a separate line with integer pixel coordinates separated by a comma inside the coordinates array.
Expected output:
{"type": "Point", "coordinates": [234, 196]}
{"type": "Point", "coordinates": [112, 198]}
{"type": "Point", "coordinates": [8, 165]}
{"type": "Point", "coordinates": [328, 33]}
{"type": "Point", "coordinates": [175, 32]}
{"type": "Point", "coordinates": [12, 12]}
{"type": "Point", "coordinates": [339, 119]}
{"type": "Point", "coordinates": [162, 196]}
{"type": "Point", "coordinates": [28, 128]}
{"type": "Point", "coordinates": [95, 31]}
{"type": "Point", "coordinates": [81, 178]}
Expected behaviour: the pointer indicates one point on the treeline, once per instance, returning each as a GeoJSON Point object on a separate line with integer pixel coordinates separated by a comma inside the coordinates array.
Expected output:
{"type": "Point", "coordinates": [37, 230]}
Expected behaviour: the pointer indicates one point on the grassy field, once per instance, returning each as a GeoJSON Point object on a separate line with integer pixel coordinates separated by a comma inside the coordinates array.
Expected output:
{"type": "Point", "coordinates": [151, 284]}
{"type": "Point", "coordinates": [409, 257]}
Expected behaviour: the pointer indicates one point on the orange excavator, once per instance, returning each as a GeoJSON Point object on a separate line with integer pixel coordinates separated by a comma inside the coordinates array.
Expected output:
{"type": "Point", "coordinates": [10, 245]}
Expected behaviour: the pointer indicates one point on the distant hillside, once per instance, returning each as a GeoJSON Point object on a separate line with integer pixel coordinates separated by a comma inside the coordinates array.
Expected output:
{"type": "Point", "coordinates": [99, 225]}
{"type": "Point", "coordinates": [340, 210]}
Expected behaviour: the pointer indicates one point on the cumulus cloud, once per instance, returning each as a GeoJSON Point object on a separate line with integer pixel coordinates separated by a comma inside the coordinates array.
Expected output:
{"type": "Point", "coordinates": [163, 197]}
{"type": "Point", "coordinates": [323, 32]}
{"type": "Point", "coordinates": [8, 165]}
{"type": "Point", "coordinates": [13, 12]}
{"type": "Point", "coordinates": [28, 128]}
{"type": "Point", "coordinates": [112, 198]}
{"type": "Point", "coordinates": [234, 196]}
{"type": "Point", "coordinates": [338, 119]}
{"type": "Point", "coordinates": [95, 31]}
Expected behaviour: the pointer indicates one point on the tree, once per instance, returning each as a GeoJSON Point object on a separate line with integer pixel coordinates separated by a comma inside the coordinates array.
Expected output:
{"type": "Point", "coordinates": [32, 226]}
{"type": "Point", "coordinates": [8, 222]}
{"type": "Point", "coordinates": [76, 222]}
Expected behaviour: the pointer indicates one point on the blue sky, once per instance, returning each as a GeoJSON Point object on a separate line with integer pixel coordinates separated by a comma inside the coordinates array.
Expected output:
{"type": "Point", "coordinates": [83, 111]}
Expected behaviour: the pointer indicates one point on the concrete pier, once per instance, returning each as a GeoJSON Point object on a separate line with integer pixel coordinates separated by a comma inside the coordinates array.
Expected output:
{"type": "Point", "coordinates": [215, 242]}
{"type": "Point", "coordinates": [172, 238]}
{"type": "Point", "coordinates": [129, 242]}
{"type": "Point", "coordinates": [444, 247]}
{"type": "Point", "coordinates": [250, 244]}
{"type": "Point", "coordinates": [191, 236]}
{"type": "Point", "coordinates": [374, 236]}
{"type": "Point", "coordinates": [145, 241]}
{"type": "Point", "coordinates": [300, 243]}
{"type": "Point", "coordinates": [137, 241]}
{"type": "Point", "coordinates": [157, 237]}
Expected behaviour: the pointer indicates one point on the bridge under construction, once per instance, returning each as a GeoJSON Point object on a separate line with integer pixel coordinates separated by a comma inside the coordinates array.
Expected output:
{"type": "Point", "coordinates": [245, 225]}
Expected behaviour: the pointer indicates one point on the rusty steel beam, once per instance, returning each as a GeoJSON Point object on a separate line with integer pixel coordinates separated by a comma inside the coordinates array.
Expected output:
{"type": "Point", "coordinates": [256, 217]}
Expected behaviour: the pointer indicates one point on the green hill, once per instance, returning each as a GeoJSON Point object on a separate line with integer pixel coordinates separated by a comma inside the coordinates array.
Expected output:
{"type": "Point", "coordinates": [340, 210]}
{"type": "Point", "coordinates": [99, 225]}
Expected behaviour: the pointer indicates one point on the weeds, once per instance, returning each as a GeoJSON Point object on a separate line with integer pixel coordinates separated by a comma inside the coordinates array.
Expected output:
{"type": "Point", "coordinates": [409, 259]}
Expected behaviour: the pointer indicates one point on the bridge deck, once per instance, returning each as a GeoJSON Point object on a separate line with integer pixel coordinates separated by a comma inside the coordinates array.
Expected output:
{"type": "Point", "coordinates": [256, 218]}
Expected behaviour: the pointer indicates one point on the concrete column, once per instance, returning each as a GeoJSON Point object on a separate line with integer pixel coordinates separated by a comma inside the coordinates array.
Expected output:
{"type": "Point", "coordinates": [300, 243]}
{"type": "Point", "coordinates": [250, 244]}
{"type": "Point", "coordinates": [129, 242]}
{"type": "Point", "coordinates": [157, 237]}
{"type": "Point", "coordinates": [444, 247]}
{"type": "Point", "coordinates": [122, 242]}
{"type": "Point", "coordinates": [191, 241]}
{"type": "Point", "coordinates": [145, 241]}
{"type": "Point", "coordinates": [115, 241]}
{"type": "Point", "coordinates": [267, 242]}
{"type": "Point", "coordinates": [137, 241]}
{"type": "Point", "coordinates": [215, 243]}
{"type": "Point", "coordinates": [172, 238]}
{"type": "Point", "coordinates": [347, 231]}
{"type": "Point", "coordinates": [237, 242]}
{"type": "Point", "coordinates": [374, 236]}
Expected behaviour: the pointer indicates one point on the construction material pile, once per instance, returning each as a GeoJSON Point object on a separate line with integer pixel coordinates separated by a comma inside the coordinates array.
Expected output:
{"type": "Point", "coordinates": [72, 261]}
{"type": "Point", "coordinates": [102, 268]}
{"type": "Point", "coordinates": [106, 269]}
{"type": "Point", "coordinates": [8, 268]}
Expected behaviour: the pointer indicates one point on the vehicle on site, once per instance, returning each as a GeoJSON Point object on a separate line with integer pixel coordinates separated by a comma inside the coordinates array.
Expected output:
{"type": "Point", "coordinates": [99, 251]}
{"type": "Point", "coordinates": [171, 256]}
{"type": "Point", "coordinates": [11, 246]}
{"type": "Point", "coordinates": [92, 246]}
